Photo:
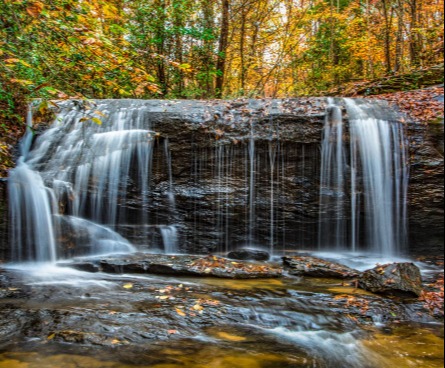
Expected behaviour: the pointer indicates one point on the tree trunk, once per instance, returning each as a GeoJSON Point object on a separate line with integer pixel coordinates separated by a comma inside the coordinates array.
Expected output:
{"type": "Point", "coordinates": [242, 53]}
{"type": "Point", "coordinates": [178, 23]}
{"type": "Point", "coordinates": [399, 40]}
{"type": "Point", "coordinates": [160, 35]}
{"type": "Point", "coordinates": [222, 51]}
{"type": "Point", "coordinates": [387, 36]}
{"type": "Point", "coordinates": [208, 56]}
{"type": "Point", "coordinates": [414, 44]}
{"type": "Point", "coordinates": [371, 72]}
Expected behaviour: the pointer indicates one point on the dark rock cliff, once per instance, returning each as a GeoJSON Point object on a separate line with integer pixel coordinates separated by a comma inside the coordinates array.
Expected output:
{"type": "Point", "coordinates": [211, 151]}
{"type": "Point", "coordinates": [426, 190]}
{"type": "Point", "coordinates": [4, 244]}
{"type": "Point", "coordinates": [210, 154]}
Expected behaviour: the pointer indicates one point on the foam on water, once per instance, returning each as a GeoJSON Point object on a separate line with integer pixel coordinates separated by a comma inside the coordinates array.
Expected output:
{"type": "Point", "coordinates": [334, 349]}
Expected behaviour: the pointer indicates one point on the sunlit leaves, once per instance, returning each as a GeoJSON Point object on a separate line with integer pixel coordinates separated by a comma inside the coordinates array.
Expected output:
{"type": "Point", "coordinates": [136, 49]}
{"type": "Point", "coordinates": [72, 49]}
{"type": "Point", "coordinates": [35, 9]}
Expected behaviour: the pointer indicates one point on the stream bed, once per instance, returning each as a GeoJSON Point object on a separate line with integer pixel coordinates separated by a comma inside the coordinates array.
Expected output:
{"type": "Point", "coordinates": [59, 317]}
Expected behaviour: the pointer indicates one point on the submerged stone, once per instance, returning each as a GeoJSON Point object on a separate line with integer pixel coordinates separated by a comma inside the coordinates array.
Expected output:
{"type": "Point", "coordinates": [316, 267]}
{"type": "Point", "coordinates": [398, 279]}
{"type": "Point", "coordinates": [249, 255]}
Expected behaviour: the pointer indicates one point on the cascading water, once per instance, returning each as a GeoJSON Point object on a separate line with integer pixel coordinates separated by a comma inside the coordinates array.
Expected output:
{"type": "Point", "coordinates": [85, 188]}
{"type": "Point", "coordinates": [364, 186]}
{"type": "Point", "coordinates": [66, 195]}
{"type": "Point", "coordinates": [332, 191]}
{"type": "Point", "coordinates": [170, 239]}
{"type": "Point", "coordinates": [31, 206]}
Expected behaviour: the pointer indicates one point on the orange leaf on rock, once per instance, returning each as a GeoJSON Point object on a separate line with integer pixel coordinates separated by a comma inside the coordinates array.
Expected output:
{"type": "Point", "coordinates": [181, 312]}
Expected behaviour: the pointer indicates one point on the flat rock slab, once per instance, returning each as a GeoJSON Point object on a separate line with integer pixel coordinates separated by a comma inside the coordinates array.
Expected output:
{"type": "Point", "coordinates": [315, 267]}
{"type": "Point", "coordinates": [178, 265]}
{"type": "Point", "coordinates": [397, 279]}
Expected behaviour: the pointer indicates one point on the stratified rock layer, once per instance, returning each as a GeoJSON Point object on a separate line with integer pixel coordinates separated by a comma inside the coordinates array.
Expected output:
{"type": "Point", "coordinates": [426, 190]}
{"type": "Point", "coordinates": [180, 265]}
{"type": "Point", "coordinates": [211, 147]}
{"type": "Point", "coordinates": [249, 255]}
{"type": "Point", "coordinates": [316, 267]}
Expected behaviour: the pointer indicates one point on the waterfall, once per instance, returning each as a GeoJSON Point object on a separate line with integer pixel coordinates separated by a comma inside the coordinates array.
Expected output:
{"type": "Point", "coordinates": [252, 172]}
{"type": "Point", "coordinates": [364, 184]}
{"type": "Point", "coordinates": [68, 191]}
{"type": "Point", "coordinates": [332, 180]}
{"type": "Point", "coordinates": [183, 176]}
{"type": "Point", "coordinates": [170, 239]}
{"type": "Point", "coordinates": [31, 205]}
{"type": "Point", "coordinates": [273, 152]}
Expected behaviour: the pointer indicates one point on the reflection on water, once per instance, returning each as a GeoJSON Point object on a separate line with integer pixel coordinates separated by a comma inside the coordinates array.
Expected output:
{"type": "Point", "coordinates": [404, 347]}
{"type": "Point", "coordinates": [407, 347]}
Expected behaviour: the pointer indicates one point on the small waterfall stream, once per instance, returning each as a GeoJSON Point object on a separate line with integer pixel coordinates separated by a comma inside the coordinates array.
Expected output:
{"type": "Point", "coordinates": [69, 190]}
{"type": "Point", "coordinates": [364, 185]}
{"type": "Point", "coordinates": [31, 207]}
{"type": "Point", "coordinates": [80, 178]}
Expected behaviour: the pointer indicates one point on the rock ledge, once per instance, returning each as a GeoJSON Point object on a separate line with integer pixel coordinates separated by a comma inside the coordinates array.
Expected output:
{"type": "Point", "coordinates": [177, 265]}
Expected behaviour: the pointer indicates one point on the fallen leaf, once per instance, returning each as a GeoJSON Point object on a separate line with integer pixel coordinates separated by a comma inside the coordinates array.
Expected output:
{"type": "Point", "coordinates": [198, 307]}
{"type": "Point", "coordinates": [181, 312]}
{"type": "Point", "coordinates": [230, 337]}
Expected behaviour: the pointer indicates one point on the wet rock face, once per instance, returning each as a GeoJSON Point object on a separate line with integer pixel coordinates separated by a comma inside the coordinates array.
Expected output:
{"type": "Point", "coordinates": [213, 196]}
{"type": "Point", "coordinates": [211, 151]}
{"type": "Point", "coordinates": [214, 186]}
{"type": "Point", "coordinates": [398, 279]}
{"type": "Point", "coordinates": [426, 192]}
{"type": "Point", "coordinates": [316, 267]}
{"type": "Point", "coordinates": [211, 154]}
{"type": "Point", "coordinates": [249, 254]}
{"type": "Point", "coordinates": [4, 245]}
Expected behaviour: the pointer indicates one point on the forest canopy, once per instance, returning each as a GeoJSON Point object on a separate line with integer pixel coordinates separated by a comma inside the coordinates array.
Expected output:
{"type": "Point", "coordinates": [210, 48]}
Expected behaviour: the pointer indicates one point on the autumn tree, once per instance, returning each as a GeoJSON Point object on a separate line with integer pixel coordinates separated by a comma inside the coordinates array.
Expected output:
{"type": "Point", "coordinates": [211, 48]}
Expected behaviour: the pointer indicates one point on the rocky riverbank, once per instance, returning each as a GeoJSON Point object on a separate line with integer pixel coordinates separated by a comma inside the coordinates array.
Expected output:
{"type": "Point", "coordinates": [132, 318]}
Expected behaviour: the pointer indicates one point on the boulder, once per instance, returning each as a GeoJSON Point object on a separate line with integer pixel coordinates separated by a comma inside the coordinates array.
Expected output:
{"type": "Point", "coordinates": [249, 255]}
{"type": "Point", "coordinates": [316, 267]}
{"type": "Point", "coordinates": [397, 279]}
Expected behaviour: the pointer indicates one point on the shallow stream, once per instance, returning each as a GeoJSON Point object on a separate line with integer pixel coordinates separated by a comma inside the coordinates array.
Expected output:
{"type": "Point", "coordinates": [54, 317]}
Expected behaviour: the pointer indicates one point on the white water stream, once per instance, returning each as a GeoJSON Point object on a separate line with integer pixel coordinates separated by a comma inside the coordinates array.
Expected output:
{"type": "Point", "coordinates": [363, 184]}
